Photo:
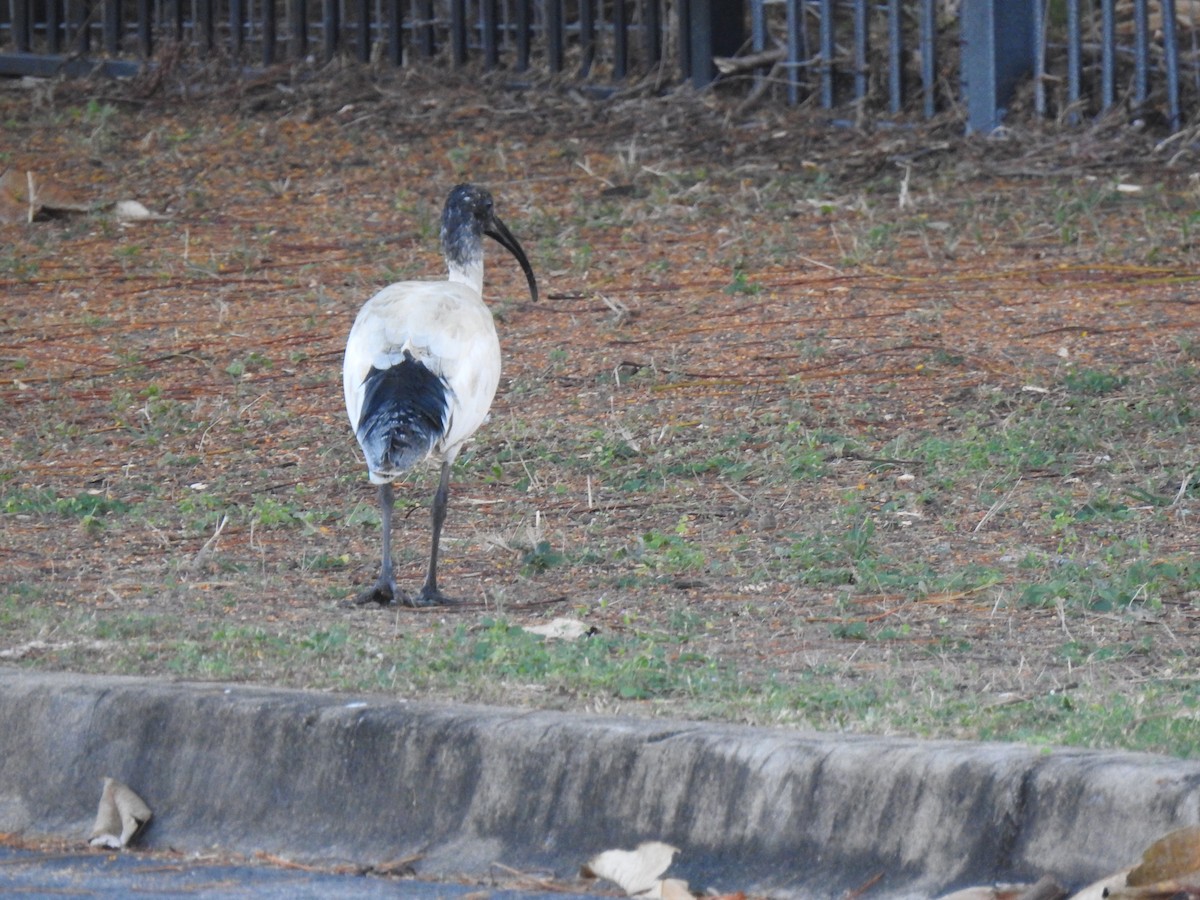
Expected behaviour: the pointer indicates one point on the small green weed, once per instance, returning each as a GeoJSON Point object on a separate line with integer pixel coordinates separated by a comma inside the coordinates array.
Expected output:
{"type": "Point", "coordinates": [39, 501]}
{"type": "Point", "coordinates": [741, 284]}
{"type": "Point", "coordinates": [540, 558]}
{"type": "Point", "coordinates": [667, 552]}
{"type": "Point", "coordinates": [1093, 383]}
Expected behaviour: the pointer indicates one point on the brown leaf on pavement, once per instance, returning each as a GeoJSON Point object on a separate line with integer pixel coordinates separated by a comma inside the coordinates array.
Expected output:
{"type": "Point", "coordinates": [24, 194]}
{"type": "Point", "coordinates": [1171, 857]}
{"type": "Point", "coordinates": [121, 816]}
{"type": "Point", "coordinates": [15, 205]}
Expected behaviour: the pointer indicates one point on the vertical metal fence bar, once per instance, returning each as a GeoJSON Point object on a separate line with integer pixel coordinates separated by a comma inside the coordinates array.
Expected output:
{"type": "Point", "coordinates": [758, 34]}
{"type": "Point", "coordinates": [22, 27]}
{"type": "Point", "coordinates": [54, 26]}
{"type": "Point", "coordinates": [600, 27]}
{"type": "Point", "coordinates": [395, 32]}
{"type": "Point", "coordinates": [489, 15]}
{"type": "Point", "coordinates": [620, 26]}
{"type": "Point", "coordinates": [237, 24]}
{"type": "Point", "coordinates": [523, 35]}
{"type": "Point", "coordinates": [1171, 61]}
{"type": "Point", "coordinates": [270, 32]}
{"type": "Point", "coordinates": [895, 57]}
{"type": "Point", "coordinates": [758, 26]}
{"type": "Point", "coordinates": [795, 41]}
{"type": "Point", "coordinates": [717, 29]}
{"type": "Point", "coordinates": [298, 38]}
{"type": "Point", "coordinates": [861, 62]}
{"type": "Point", "coordinates": [362, 16]}
{"type": "Point", "coordinates": [80, 36]}
{"type": "Point", "coordinates": [423, 27]}
{"type": "Point", "coordinates": [695, 35]}
{"type": "Point", "coordinates": [928, 62]}
{"type": "Point", "coordinates": [458, 32]}
{"type": "Point", "coordinates": [1195, 44]}
{"type": "Point", "coordinates": [208, 24]}
{"type": "Point", "coordinates": [825, 30]}
{"type": "Point", "coordinates": [112, 25]}
{"type": "Point", "coordinates": [1141, 52]}
{"type": "Point", "coordinates": [379, 28]}
{"type": "Point", "coordinates": [330, 23]}
{"type": "Point", "coordinates": [1074, 61]}
{"type": "Point", "coordinates": [145, 26]}
{"type": "Point", "coordinates": [587, 36]}
{"type": "Point", "coordinates": [684, 31]}
{"type": "Point", "coordinates": [554, 35]}
{"type": "Point", "coordinates": [1108, 55]}
{"type": "Point", "coordinates": [1039, 57]}
{"type": "Point", "coordinates": [652, 32]}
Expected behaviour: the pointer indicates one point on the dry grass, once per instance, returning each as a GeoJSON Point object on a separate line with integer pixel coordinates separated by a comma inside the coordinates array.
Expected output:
{"type": "Point", "coordinates": [813, 427]}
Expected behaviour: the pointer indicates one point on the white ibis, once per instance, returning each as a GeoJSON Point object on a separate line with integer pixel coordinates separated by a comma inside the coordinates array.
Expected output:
{"type": "Point", "coordinates": [421, 368]}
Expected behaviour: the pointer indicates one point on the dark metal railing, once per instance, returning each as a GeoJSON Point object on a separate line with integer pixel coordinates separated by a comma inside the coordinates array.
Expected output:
{"type": "Point", "coordinates": [807, 41]}
{"type": "Point", "coordinates": [1093, 69]}
{"type": "Point", "coordinates": [620, 38]}
{"type": "Point", "coordinates": [867, 58]}
{"type": "Point", "coordinates": [889, 56]}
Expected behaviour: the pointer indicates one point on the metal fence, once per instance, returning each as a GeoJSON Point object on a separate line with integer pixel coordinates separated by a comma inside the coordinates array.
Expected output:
{"type": "Point", "coordinates": [863, 59]}
{"type": "Point", "coordinates": [1075, 58]}
{"type": "Point", "coordinates": [593, 38]}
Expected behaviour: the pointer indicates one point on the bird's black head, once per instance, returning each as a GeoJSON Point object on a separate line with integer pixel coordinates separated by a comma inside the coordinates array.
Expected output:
{"type": "Point", "coordinates": [466, 218]}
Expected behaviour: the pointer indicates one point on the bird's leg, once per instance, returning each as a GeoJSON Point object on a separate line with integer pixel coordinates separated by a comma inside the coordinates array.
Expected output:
{"type": "Point", "coordinates": [430, 595]}
{"type": "Point", "coordinates": [384, 591]}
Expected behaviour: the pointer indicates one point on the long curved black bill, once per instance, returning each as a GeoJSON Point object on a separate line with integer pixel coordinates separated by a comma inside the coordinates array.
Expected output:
{"type": "Point", "coordinates": [501, 235]}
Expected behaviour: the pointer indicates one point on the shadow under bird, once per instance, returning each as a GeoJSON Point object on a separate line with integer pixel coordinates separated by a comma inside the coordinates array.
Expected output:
{"type": "Point", "coordinates": [421, 368]}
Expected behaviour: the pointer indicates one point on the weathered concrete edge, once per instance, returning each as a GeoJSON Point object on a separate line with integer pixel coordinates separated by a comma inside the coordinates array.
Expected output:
{"type": "Point", "coordinates": [372, 779]}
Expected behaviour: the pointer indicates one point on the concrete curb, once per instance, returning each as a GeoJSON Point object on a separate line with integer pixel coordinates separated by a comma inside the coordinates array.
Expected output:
{"type": "Point", "coordinates": [373, 779]}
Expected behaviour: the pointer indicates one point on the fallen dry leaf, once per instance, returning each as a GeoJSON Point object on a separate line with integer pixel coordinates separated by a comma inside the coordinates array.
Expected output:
{"type": "Point", "coordinates": [121, 816]}
{"type": "Point", "coordinates": [1170, 857]}
{"type": "Point", "coordinates": [671, 889]}
{"type": "Point", "coordinates": [25, 194]}
{"type": "Point", "coordinates": [636, 871]}
{"type": "Point", "coordinates": [15, 206]}
{"type": "Point", "coordinates": [561, 629]}
{"type": "Point", "coordinates": [132, 211]}
{"type": "Point", "coordinates": [54, 197]}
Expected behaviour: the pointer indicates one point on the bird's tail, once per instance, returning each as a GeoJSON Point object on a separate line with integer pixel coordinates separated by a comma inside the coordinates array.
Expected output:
{"type": "Point", "coordinates": [404, 412]}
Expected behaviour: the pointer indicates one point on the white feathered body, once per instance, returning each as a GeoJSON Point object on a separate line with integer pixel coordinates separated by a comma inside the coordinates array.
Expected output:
{"type": "Point", "coordinates": [445, 326]}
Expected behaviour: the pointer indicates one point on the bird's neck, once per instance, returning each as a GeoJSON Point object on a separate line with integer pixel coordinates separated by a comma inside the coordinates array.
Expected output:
{"type": "Point", "coordinates": [462, 244]}
{"type": "Point", "coordinates": [469, 273]}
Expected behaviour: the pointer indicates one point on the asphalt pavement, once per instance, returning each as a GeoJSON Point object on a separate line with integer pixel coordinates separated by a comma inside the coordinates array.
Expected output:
{"type": "Point", "coordinates": [469, 791]}
{"type": "Point", "coordinates": [54, 873]}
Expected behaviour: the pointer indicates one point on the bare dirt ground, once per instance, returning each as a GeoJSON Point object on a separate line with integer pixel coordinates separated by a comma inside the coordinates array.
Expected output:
{"type": "Point", "coordinates": [886, 431]}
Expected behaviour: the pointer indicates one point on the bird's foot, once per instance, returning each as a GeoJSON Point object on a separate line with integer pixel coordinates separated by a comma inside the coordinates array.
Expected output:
{"type": "Point", "coordinates": [429, 597]}
{"type": "Point", "coordinates": [382, 594]}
